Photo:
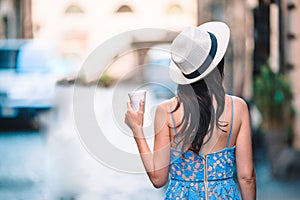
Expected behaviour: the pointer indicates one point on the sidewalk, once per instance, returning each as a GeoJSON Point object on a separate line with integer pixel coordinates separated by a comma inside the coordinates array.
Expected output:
{"type": "Point", "coordinates": [268, 188]}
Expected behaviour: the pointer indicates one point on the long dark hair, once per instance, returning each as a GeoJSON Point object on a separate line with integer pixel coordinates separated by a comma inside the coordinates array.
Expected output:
{"type": "Point", "coordinates": [200, 117]}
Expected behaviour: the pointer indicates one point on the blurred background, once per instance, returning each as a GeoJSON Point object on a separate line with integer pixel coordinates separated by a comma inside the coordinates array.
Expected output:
{"type": "Point", "coordinates": [44, 43]}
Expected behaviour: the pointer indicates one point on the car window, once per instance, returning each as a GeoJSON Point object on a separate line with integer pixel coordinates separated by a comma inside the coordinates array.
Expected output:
{"type": "Point", "coordinates": [9, 52]}
{"type": "Point", "coordinates": [8, 58]}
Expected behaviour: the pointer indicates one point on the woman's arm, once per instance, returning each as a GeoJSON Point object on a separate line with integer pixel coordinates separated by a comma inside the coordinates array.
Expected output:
{"type": "Point", "coordinates": [156, 163]}
{"type": "Point", "coordinates": [244, 160]}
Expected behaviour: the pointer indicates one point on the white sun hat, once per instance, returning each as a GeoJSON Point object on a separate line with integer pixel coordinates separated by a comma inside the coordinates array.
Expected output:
{"type": "Point", "coordinates": [196, 51]}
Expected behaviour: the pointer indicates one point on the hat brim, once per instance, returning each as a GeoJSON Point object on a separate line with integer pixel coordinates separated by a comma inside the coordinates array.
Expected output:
{"type": "Point", "coordinates": [222, 34]}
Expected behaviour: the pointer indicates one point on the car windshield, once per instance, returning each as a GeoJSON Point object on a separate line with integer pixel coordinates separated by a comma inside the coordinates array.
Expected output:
{"type": "Point", "coordinates": [8, 58]}
{"type": "Point", "coordinates": [9, 52]}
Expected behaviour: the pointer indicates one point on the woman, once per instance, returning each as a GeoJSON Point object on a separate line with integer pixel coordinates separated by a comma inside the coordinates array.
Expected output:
{"type": "Point", "coordinates": [202, 134]}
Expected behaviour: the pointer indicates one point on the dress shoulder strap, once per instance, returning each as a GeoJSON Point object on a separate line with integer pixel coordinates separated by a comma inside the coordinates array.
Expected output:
{"type": "Point", "coordinates": [174, 125]}
{"type": "Point", "coordinates": [173, 120]}
{"type": "Point", "coordinates": [232, 121]}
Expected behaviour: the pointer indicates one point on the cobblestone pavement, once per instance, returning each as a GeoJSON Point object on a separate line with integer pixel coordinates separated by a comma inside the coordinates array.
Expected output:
{"type": "Point", "coordinates": [53, 164]}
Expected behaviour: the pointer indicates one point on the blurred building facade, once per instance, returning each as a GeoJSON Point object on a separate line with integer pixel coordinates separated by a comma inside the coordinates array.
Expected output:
{"type": "Point", "coordinates": [78, 27]}
{"type": "Point", "coordinates": [284, 48]}
{"type": "Point", "coordinates": [290, 60]}
{"type": "Point", "coordinates": [15, 19]}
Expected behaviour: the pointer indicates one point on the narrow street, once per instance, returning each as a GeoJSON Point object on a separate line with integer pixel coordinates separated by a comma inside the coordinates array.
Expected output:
{"type": "Point", "coordinates": [54, 164]}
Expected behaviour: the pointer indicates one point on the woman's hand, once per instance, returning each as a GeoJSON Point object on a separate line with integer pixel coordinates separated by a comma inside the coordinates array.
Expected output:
{"type": "Point", "coordinates": [135, 119]}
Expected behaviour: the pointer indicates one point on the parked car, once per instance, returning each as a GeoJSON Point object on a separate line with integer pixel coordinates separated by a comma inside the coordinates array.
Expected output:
{"type": "Point", "coordinates": [27, 84]}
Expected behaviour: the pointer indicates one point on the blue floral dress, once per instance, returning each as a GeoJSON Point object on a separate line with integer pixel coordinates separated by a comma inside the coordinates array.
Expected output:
{"type": "Point", "coordinates": [197, 176]}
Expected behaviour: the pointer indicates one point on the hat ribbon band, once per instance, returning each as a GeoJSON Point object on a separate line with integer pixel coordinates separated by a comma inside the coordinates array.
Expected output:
{"type": "Point", "coordinates": [208, 60]}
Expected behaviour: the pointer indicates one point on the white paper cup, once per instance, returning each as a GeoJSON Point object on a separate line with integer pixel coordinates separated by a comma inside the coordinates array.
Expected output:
{"type": "Point", "coordinates": [136, 97]}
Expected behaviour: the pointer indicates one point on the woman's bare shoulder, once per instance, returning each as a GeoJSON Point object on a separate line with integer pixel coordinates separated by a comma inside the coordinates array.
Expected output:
{"type": "Point", "coordinates": [166, 104]}
{"type": "Point", "coordinates": [240, 109]}
{"type": "Point", "coordinates": [239, 103]}
{"type": "Point", "coordinates": [163, 110]}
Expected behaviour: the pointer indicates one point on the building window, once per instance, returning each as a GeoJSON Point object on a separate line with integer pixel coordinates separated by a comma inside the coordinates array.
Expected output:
{"type": "Point", "coordinates": [4, 27]}
{"type": "Point", "coordinates": [124, 9]}
{"type": "Point", "coordinates": [175, 9]}
{"type": "Point", "coordinates": [74, 9]}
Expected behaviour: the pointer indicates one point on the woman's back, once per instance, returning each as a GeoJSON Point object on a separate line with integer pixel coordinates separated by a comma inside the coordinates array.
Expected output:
{"type": "Point", "coordinates": [218, 139]}
{"type": "Point", "coordinates": [208, 174]}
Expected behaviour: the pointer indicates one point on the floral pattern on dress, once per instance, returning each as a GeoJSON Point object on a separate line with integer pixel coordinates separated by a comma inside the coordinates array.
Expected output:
{"type": "Point", "coordinates": [187, 172]}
